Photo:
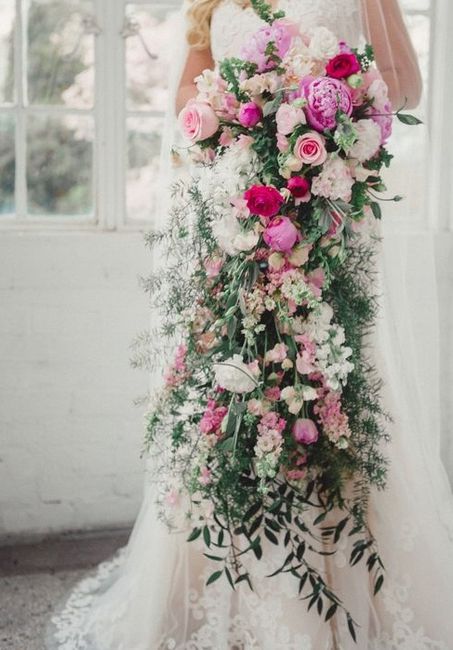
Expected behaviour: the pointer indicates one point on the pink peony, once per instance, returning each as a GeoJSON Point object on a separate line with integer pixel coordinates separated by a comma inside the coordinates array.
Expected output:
{"type": "Point", "coordinates": [281, 234]}
{"type": "Point", "coordinates": [343, 65]}
{"type": "Point", "coordinates": [310, 149]}
{"type": "Point", "coordinates": [288, 117]}
{"type": "Point", "coordinates": [325, 97]}
{"type": "Point", "coordinates": [305, 431]}
{"type": "Point", "coordinates": [263, 200]}
{"type": "Point", "coordinates": [249, 115]}
{"type": "Point", "coordinates": [198, 121]}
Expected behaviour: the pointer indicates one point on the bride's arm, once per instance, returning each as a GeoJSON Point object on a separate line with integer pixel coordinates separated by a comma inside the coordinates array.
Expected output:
{"type": "Point", "coordinates": [197, 61]}
{"type": "Point", "coordinates": [395, 54]}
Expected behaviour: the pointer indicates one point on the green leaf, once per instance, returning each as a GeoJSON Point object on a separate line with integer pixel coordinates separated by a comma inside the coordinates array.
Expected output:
{"type": "Point", "coordinates": [378, 585]}
{"type": "Point", "coordinates": [207, 536]}
{"type": "Point", "coordinates": [270, 536]}
{"type": "Point", "coordinates": [216, 558]}
{"type": "Point", "coordinates": [253, 510]}
{"type": "Point", "coordinates": [406, 118]}
{"type": "Point", "coordinates": [229, 577]}
{"type": "Point", "coordinates": [194, 534]}
{"type": "Point", "coordinates": [331, 611]}
{"type": "Point", "coordinates": [376, 209]}
{"type": "Point", "coordinates": [213, 577]}
{"type": "Point", "coordinates": [351, 628]}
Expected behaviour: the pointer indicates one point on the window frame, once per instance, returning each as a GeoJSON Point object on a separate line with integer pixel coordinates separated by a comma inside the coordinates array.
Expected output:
{"type": "Point", "coordinates": [110, 113]}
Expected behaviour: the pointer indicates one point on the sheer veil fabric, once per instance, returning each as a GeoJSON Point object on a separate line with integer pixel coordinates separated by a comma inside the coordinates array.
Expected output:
{"type": "Point", "coordinates": [153, 597]}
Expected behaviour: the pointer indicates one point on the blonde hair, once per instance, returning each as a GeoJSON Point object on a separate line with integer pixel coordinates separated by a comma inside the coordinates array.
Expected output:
{"type": "Point", "coordinates": [199, 19]}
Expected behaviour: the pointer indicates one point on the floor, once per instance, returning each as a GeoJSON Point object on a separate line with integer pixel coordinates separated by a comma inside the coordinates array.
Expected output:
{"type": "Point", "coordinates": [35, 577]}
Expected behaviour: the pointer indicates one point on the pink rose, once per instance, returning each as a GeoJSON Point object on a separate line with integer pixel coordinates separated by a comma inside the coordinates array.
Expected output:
{"type": "Point", "coordinates": [305, 431]}
{"type": "Point", "coordinates": [325, 97]}
{"type": "Point", "coordinates": [288, 117]}
{"type": "Point", "coordinates": [198, 121]}
{"type": "Point", "coordinates": [310, 149]}
{"type": "Point", "coordinates": [263, 200]}
{"type": "Point", "coordinates": [299, 187]}
{"type": "Point", "coordinates": [249, 115]}
{"type": "Point", "coordinates": [281, 234]}
{"type": "Point", "coordinates": [343, 65]}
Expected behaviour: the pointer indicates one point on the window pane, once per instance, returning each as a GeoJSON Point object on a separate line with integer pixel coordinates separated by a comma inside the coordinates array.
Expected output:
{"type": "Point", "coordinates": [60, 52]}
{"type": "Point", "coordinates": [7, 164]}
{"type": "Point", "coordinates": [59, 165]}
{"type": "Point", "coordinates": [416, 5]}
{"type": "Point", "coordinates": [149, 30]}
{"type": "Point", "coordinates": [143, 166]}
{"type": "Point", "coordinates": [7, 19]}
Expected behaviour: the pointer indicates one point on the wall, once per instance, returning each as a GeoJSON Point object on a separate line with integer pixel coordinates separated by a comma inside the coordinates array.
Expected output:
{"type": "Point", "coordinates": [70, 436]}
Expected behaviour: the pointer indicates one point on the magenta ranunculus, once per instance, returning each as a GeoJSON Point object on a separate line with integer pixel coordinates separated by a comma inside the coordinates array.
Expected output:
{"type": "Point", "coordinates": [281, 234]}
{"type": "Point", "coordinates": [249, 115]}
{"type": "Point", "coordinates": [198, 121]}
{"type": "Point", "coordinates": [263, 200]}
{"type": "Point", "coordinates": [325, 97]}
{"type": "Point", "coordinates": [298, 186]}
{"type": "Point", "coordinates": [305, 431]}
{"type": "Point", "coordinates": [343, 65]}
{"type": "Point", "coordinates": [310, 149]}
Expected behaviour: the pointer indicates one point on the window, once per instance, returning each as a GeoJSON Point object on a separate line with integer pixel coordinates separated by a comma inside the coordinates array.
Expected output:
{"type": "Point", "coordinates": [82, 99]}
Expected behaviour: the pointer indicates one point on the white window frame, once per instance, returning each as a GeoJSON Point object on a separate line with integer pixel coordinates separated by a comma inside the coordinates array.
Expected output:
{"type": "Point", "coordinates": [110, 141]}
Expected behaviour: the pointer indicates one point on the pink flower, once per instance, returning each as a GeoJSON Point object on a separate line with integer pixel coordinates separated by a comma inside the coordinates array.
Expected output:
{"type": "Point", "coordinates": [288, 117]}
{"type": "Point", "coordinates": [277, 354]}
{"type": "Point", "coordinates": [212, 417]}
{"type": "Point", "coordinates": [249, 115]}
{"type": "Point", "coordinates": [272, 393]}
{"type": "Point", "coordinates": [282, 143]}
{"type": "Point", "coordinates": [198, 121]}
{"type": "Point", "coordinates": [310, 149]}
{"type": "Point", "coordinates": [213, 266]}
{"type": "Point", "coordinates": [263, 200]}
{"type": "Point", "coordinates": [343, 65]}
{"type": "Point", "coordinates": [337, 223]}
{"type": "Point", "coordinates": [281, 234]}
{"type": "Point", "coordinates": [316, 280]}
{"type": "Point", "coordinates": [280, 32]}
{"type": "Point", "coordinates": [299, 187]}
{"type": "Point", "coordinates": [305, 431]}
{"type": "Point", "coordinates": [205, 477]}
{"type": "Point", "coordinates": [226, 138]}
{"type": "Point", "coordinates": [273, 421]}
{"type": "Point", "coordinates": [325, 97]}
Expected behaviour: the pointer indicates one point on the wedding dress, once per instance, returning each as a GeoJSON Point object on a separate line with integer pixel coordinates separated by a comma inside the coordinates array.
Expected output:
{"type": "Point", "coordinates": [152, 596]}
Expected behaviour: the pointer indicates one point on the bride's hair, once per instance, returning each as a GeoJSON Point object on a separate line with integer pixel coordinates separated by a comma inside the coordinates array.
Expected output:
{"type": "Point", "coordinates": [199, 19]}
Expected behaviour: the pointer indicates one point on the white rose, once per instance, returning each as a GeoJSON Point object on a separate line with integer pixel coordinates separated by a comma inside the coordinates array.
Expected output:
{"type": "Point", "coordinates": [234, 375]}
{"type": "Point", "coordinates": [245, 241]}
{"type": "Point", "coordinates": [369, 140]}
{"type": "Point", "coordinates": [323, 43]}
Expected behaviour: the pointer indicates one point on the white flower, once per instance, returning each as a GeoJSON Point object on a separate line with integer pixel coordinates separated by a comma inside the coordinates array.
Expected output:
{"type": "Point", "coordinates": [245, 241]}
{"type": "Point", "coordinates": [369, 140]}
{"type": "Point", "coordinates": [335, 180]}
{"type": "Point", "coordinates": [295, 396]}
{"type": "Point", "coordinates": [225, 229]}
{"type": "Point", "coordinates": [323, 43]}
{"type": "Point", "coordinates": [234, 375]}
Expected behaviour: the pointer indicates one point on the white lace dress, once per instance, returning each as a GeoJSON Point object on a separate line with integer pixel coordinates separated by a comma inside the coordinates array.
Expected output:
{"type": "Point", "coordinates": [152, 596]}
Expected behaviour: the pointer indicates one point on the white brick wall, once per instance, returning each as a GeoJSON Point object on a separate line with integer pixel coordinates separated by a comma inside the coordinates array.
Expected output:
{"type": "Point", "coordinates": [70, 438]}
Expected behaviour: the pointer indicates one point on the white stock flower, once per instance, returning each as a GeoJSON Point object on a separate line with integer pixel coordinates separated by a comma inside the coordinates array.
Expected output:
{"type": "Point", "coordinates": [234, 375]}
{"type": "Point", "coordinates": [368, 142]}
{"type": "Point", "coordinates": [323, 43]}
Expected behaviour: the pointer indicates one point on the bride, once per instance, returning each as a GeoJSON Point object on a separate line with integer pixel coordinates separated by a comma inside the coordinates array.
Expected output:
{"type": "Point", "coordinates": [153, 595]}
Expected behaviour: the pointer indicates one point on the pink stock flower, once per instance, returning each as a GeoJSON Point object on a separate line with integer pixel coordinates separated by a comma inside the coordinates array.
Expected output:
{"type": "Point", "coordinates": [263, 200]}
{"type": "Point", "coordinates": [305, 431]}
{"type": "Point", "coordinates": [310, 149]}
{"type": "Point", "coordinates": [343, 65]}
{"type": "Point", "coordinates": [281, 234]}
{"type": "Point", "coordinates": [325, 97]}
{"type": "Point", "coordinates": [272, 421]}
{"type": "Point", "coordinates": [198, 121]}
{"type": "Point", "coordinates": [213, 266]}
{"type": "Point", "coordinates": [212, 417]}
{"type": "Point", "coordinates": [205, 477]}
{"type": "Point", "coordinates": [272, 393]}
{"type": "Point", "coordinates": [249, 115]}
{"type": "Point", "coordinates": [277, 354]}
{"type": "Point", "coordinates": [316, 280]}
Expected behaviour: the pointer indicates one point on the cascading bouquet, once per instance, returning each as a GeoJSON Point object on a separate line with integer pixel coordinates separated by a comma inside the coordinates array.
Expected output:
{"type": "Point", "coordinates": [269, 428]}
